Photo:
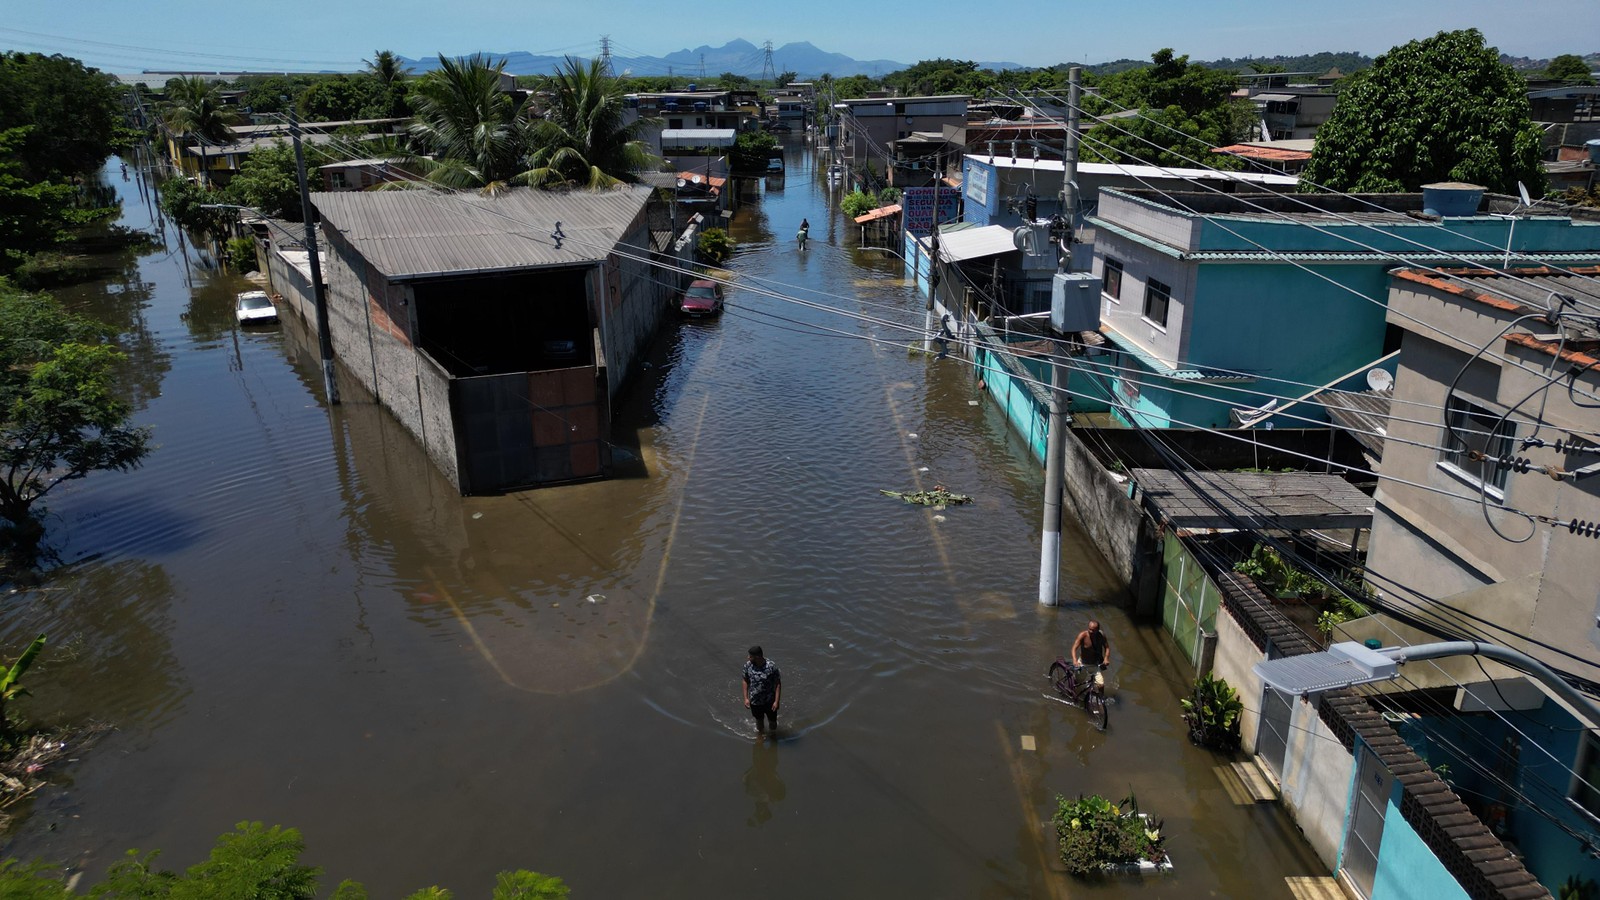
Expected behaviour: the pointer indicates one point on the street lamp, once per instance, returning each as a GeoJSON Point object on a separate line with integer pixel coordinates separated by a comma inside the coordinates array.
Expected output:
{"type": "Point", "coordinates": [1349, 663]}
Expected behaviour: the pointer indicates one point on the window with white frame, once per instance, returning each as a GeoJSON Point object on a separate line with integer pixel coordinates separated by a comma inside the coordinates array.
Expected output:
{"type": "Point", "coordinates": [1585, 790]}
{"type": "Point", "coordinates": [1157, 298]}
{"type": "Point", "coordinates": [1475, 430]}
{"type": "Point", "coordinates": [1111, 279]}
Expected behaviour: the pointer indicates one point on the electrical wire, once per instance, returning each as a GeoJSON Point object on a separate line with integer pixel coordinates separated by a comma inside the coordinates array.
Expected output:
{"type": "Point", "coordinates": [1309, 205]}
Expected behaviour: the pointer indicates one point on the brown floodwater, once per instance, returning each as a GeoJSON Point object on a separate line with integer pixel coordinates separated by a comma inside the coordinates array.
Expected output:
{"type": "Point", "coordinates": [290, 616]}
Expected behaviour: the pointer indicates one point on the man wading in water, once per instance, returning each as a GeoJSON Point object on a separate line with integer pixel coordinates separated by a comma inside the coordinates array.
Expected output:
{"type": "Point", "coordinates": [762, 688]}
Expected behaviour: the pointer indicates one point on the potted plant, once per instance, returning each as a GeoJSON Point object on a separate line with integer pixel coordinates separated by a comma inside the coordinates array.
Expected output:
{"type": "Point", "coordinates": [1097, 836]}
{"type": "Point", "coordinates": [1212, 712]}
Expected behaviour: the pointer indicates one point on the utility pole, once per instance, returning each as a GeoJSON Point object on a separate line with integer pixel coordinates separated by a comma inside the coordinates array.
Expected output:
{"type": "Point", "coordinates": [1055, 438]}
{"type": "Point", "coordinates": [605, 52]}
{"type": "Point", "coordinates": [318, 292]}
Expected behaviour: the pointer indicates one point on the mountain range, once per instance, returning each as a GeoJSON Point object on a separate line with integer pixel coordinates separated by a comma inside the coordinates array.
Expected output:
{"type": "Point", "coordinates": [737, 56]}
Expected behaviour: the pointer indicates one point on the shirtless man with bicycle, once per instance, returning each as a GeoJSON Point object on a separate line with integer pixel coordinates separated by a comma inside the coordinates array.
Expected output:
{"type": "Point", "coordinates": [1093, 648]}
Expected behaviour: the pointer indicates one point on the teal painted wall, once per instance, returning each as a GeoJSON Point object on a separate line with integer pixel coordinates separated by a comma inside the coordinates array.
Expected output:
{"type": "Point", "coordinates": [1407, 869]}
{"type": "Point", "coordinates": [1489, 763]}
{"type": "Point", "coordinates": [1285, 322]}
{"type": "Point", "coordinates": [1476, 235]}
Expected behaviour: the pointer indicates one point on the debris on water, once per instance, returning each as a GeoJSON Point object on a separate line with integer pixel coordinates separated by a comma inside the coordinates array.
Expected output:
{"type": "Point", "coordinates": [477, 515]}
{"type": "Point", "coordinates": [23, 771]}
{"type": "Point", "coordinates": [939, 518]}
{"type": "Point", "coordinates": [912, 435]}
{"type": "Point", "coordinates": [972, 403]}
{"type": "Point", "coordinates": [938, 497]}
{"type": "Point", "coordinates": [595, 598]}
{"type": "Point", "coordinates": [923, 469]}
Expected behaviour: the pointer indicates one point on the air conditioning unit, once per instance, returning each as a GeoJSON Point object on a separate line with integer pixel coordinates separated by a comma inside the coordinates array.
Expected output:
{"type": "Point", "coordinates": [1075, 302]}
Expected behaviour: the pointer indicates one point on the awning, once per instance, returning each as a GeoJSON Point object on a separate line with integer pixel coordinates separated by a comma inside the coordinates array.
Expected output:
{"type": "Point", "coordinates": [975, 243]}
{"type": "Point", "coordinates": [882, 212]}
{"type": "Point", "coordinates": [698, 137]}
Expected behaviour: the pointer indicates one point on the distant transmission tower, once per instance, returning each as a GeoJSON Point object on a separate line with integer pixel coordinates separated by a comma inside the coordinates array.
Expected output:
{"type": "Point", "coordinates": [768, 73]}
{"type": "Point", "coordinates": [605, 52]}
{"type": "Point", "coordinates": [702, 67]}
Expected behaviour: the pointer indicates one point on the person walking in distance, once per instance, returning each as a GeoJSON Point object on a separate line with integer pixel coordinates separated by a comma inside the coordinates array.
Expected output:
{"type": "Point", "coordinates": [762, 688]}
{"type": "Point", "coordinates": [1092, 648]}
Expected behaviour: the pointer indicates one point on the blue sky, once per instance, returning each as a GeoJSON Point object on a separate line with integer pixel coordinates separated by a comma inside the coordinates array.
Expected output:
{"type": "Point", "coordinates": [123, 36]}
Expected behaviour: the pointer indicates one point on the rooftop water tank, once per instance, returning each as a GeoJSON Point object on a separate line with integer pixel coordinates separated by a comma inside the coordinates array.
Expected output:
{"type": "Point", "coordinates": [1594, 151]}
{"type": "Point", "coordinates": [691, 87]}
{"type": "Point", "coordinates": [1451, 198]}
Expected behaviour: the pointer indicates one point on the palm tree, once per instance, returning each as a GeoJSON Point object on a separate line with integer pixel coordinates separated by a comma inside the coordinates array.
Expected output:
{"type": "Point", "coordinates": [582, 141]}
{"type": "Point", "coordinates": [391, 74]}
{"type": "Point", "coordinates": [194, 111]}
{"type": "Point", "coordinates": [387, 68]}
{"type": "Point", "coordinates": [475, 133]}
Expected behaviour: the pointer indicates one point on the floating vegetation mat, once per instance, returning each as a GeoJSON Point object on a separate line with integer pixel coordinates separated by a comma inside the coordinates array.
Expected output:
{"type": "Point", "coordinates": [938, 497]}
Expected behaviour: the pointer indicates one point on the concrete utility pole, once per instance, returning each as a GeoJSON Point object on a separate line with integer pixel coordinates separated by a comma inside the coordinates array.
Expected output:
{"type": "Point", "coordinates": [318, 293]}
{"type": "Point", "coordinates": [1055, 438]}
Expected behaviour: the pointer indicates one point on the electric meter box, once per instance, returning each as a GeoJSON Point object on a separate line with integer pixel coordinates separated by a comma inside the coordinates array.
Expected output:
{"type": "Point", "coordinates": [1075, 302]}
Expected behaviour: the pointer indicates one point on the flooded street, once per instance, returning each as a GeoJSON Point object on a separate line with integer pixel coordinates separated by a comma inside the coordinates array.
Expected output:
{"type": "Point", "coordinates": [290, 616]}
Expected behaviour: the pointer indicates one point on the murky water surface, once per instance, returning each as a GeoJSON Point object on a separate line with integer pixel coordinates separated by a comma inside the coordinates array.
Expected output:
{"type": "Point", "coordinates": [291, 617]}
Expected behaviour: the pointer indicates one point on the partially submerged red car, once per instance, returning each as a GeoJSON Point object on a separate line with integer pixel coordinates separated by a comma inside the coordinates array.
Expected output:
{"type": "Point", "coordinates": [703, 298]}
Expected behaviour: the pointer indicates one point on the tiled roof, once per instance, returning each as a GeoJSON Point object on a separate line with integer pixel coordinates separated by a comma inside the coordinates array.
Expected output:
{"type": "Point", "coordinates": [882, 212]}
{"type": "Point", "coordinates": [1524, 291]}
{"type": "Point", "coordinates": [422, 233]}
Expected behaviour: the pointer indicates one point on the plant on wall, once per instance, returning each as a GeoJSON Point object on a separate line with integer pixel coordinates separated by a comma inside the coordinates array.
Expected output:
{"type": "Point", "coordinates": [1212, 712]}
{"type": "Point", "coordinates": [1276, 574]}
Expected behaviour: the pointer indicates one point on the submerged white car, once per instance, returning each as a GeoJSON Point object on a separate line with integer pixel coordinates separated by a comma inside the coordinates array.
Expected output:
{"type": "Point", "coordinates": [255, 308]}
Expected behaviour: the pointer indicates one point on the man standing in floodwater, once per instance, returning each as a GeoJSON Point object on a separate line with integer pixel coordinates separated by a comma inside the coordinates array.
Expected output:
{"type": "Point", "coordinates": [762, 688]}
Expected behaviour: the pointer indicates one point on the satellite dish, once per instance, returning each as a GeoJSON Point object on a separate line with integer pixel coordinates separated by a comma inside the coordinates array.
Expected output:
{"type": "Point", "coordinates": [1379, 380]}
{"type": "Point", "coordinates": [1522, 190]}
{"type": "Point", "coordinates": [695, 178]}
{"type": "Point", "coordinates": [682, 183]}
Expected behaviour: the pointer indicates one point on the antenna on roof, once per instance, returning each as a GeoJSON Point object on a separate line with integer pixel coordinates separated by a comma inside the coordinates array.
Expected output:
{"type": "Point", "coordinates": [1522, 190]}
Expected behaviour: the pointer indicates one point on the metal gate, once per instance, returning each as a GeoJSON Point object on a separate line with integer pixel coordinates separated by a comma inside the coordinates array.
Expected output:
{"type": "Point", "coordinates": [1277, 714]}
{"type": "Point", "coordinates": [1374, 783]}
{"type": "Point", "coordinates": [530, 428]}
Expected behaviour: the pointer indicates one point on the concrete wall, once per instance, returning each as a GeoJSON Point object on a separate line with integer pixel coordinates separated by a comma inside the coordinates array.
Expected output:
{"type": "Point", "coordinates": [1317, 769]}
{"type": "Point", "coordinates": [632, 302]}
{"type": "Point", "coordinates": [1429, 544]}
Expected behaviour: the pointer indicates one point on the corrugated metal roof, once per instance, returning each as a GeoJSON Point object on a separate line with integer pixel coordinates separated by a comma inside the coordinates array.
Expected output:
{"type": "Point", "coordinates": [975, 243]}
{"type": "Point", "coordinates": [698, 137]}
{"type": "Point", "coordinates": [421, 233]}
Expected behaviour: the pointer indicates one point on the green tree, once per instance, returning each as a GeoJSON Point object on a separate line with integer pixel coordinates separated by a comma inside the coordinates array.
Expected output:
{"type": "Point", "coordinates": [1185, 109]}
{"type": "Point", "coordinates": [475, 132]}
{"type": "Point", "coordinates": [787, 78]}
{"type": "Point", "coordinates": [1440, 109]}
{"type": "Point", "coordinates": [583, 141]}
{"type": "Point", "coordinates": [194, 111]}
{"type": "Point", "coordinates": [60, 415]}
{"type": "Point", "coordinates": [273, 93]}
{"type": "Point", "coordinates": [731, 81]}
{"type": "Point", "coordinates": [342, 97]}
{"type": "Point", "coordinates": [269, 181]}
{"type": "Point", "coordinates": [1569, 67]}
{"type": "Point", "coordinates": [33, 214]}
{"type": "Point", "coordinates": [940, 76]}
{"type": "Point", "coordinates": [391, 74]}
{"type": "Point", "coordinates": [71, 110]}
{"type": "Point", "coordinates": [751, 150]}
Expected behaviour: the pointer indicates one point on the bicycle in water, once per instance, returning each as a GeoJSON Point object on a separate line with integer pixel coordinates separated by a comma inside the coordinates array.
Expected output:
{"type": "Point", "coordinates": [1083, 686]}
